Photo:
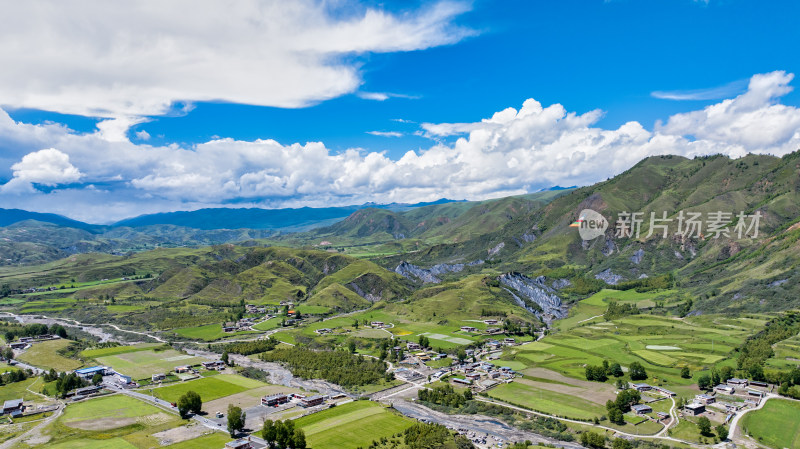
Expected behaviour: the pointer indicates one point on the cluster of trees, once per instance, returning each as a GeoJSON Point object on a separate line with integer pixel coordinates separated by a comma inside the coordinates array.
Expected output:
{"type": "Point", "coordinates": [12, 330]}
{"type": "Point", "coordinates": [424, 342]}
{"type": "Point", "coordinates": [600, 373]}
{"type": "Point", "coordinates": [662, 282]}
{"type": "Point", "coordinates": [514, 328]}
{"type": "Point", "coordinates": [758, 348]}
{"type": "Point", "coordinates": [190, 402]}
{"type": "Point", "coordinates": [494, 312]}
{"type": "Point", "coordinates": [67, 382]}
{"type": "Point", "coordinates": [236, 419]}
{"type": "Point", "coordinates": [621, 405]}
{"type": "Point", "coordinates": [339, 367]}
{"type": "Point", "coordinates": [14, 375]}
{"type": "Point", "coordinates": [6, 353]}
{"type": "Point", "coordinates": [790, 383]}
{"type": "Point", "coordinates": [445, 395]}
{"type": "Point", "coordinates": [424, 436]}
{"type": "Point", "coordinates": [283, 435]}
{"type": "Point", "coordinates": [616, 310]}
{"type": "Point", "coordinates": [708, 381]}
{"type": "Point", "coordinates": [637, 371]}
{"type": "Point", "coordinates": [593, 440]}
{"type": "Point", "coordinates": [704, 425]}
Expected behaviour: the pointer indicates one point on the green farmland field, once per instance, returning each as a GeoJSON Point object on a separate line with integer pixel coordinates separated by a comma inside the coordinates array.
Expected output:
{"type": "Point", "coordinates": [116, 406]}
{"type": "Point", "coordinates": [776, 425]}
{"type": "Point", "coordinates": [143, 364]}
{"type": "Point", "coordinates": [546, 401]}
{"type": "Point", "coordinates": [44, 355]}
{"type": "Point", "coordinates": [209, 388]}
{"type": "Point", "coordinates": [209, 332]}
{"type": "Point", "coordinates": [351, 425]}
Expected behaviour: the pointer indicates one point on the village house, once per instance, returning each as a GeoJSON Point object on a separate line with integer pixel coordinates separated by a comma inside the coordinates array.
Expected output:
{"type": "Point", "coordinates": [695, 408]}
{"type": "Point", "coordinates": [157, 377]}
{"type": "Point", "coordinates": [737, 382]}
{"type": "Point", "coordinates": [468, 329]}
{"type": "Point", "coordinates": [13, 405]}
{"type": "Point", "coordinates": [727, 389]}
{"type": "Point", "coordinates": [705, 399]}
{"type": "Point", "coordinates": [86, 391]}
{"type": "Point", "coordinates": [641, 387]}
{"type": "Point", "coordinates": [642, 409]}
{"type": "Point", "coordinates": [123, 379]}
{"type": "Point", "coordinates": [664, 391]}
{"type": "Point", "coordinates": [239, 444]}
{"type": "Point", "coordinates": [311, 401]}
{"type": "Point", "coordinates": [215, 365]}
{"type": "Point", "coordinates": [182, 369]}
{"type": "Point", "coordinates": [274, 400]}
{"type": "Point", "coordinates": [88, 373]}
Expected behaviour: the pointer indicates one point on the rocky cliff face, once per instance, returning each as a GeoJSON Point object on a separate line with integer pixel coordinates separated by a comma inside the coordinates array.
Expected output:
{"type": "Point", "coordinates": [535, 296]}
{"type": "Point", "coordinates": [429, 275]}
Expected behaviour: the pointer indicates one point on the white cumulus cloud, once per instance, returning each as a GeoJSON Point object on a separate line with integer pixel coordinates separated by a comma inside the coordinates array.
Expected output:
{"type": "Point", "coordinates": [48, 167]}
{"type": "Point", "coordinates": [513, 151]}
{"type": "Point", "coordinates": [123, 61]}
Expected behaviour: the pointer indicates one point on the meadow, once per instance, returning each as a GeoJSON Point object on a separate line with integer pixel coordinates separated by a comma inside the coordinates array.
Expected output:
{"type": "Point", "coordinates": [45, 355]}
{"type": "Point", "coordinates": [209, 388]}
{"type": "Point", "coordinates": [554, 367]}
{"type": "Point", "coordinates": [352, 425]}
{"type": "Point", "coordinates": [116, 350]}
{"type": "Point", "coordinates": [115, 406]}
{"type": "Point", "coordinates": [141, 364]}
{"type": "Point", "coordinates": [776, 425]}
{"type": "Point", "coordinates": [209, 332]}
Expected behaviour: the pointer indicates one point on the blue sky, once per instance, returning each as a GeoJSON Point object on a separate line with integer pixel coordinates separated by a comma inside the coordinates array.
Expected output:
{"type": "Point", "coordinates": [609, 62]}
{"type": "Point", "coordinates": [583, 54]}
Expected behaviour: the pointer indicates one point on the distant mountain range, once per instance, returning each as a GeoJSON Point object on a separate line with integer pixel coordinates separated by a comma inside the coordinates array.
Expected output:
{"type": "Point", "coordinates": [255, 218]}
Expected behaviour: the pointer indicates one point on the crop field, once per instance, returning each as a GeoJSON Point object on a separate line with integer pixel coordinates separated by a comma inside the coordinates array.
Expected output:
{"type": "Point", "coordinates": [216, 439]}
{"type": "Point", "coordinates": [345, 426]}
{"type": "Point", "coordinates": [444, 336]}
{"type": "Point", "coordinates": [116, 350]}
{"type": "Point", "coordinates": [787, 354]}
{"type": "Point", "coordinates": [111, 443]}
{"type": "Point", "coordinates": [587, 310]}
{"type": "Point", "coordinates": [209, 332]}
{"type": "Point", "coordinates": [776, 425]}
{"type": "Point", "coordinates": [108, 407]}
{"type": "Point", "coordinates": [661, 345]}
{"type": "Point", "coordinates": [143, 364]}
{"type": "Point", "coordinates": [272, 323]}
{"type": "Point", "coordinates": [44, 355]}
{"type": "Point", "coordinates": [209, 388]}
{"type": "Point", "coordinates": [532, 395]}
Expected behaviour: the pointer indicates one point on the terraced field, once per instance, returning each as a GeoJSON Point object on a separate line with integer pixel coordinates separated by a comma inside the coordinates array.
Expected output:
{"type": "Point", "coordinates": [662, 345]}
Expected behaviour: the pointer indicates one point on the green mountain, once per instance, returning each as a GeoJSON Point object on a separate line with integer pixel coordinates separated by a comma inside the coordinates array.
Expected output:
{"type": "Point", "coordinates": [723, 274]}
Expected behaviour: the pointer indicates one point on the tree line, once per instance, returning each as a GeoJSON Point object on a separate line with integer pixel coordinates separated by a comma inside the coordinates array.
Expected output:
{"type": "Point", "coordinates": [249, 347]}
{"type": "Point", "coordinates": [283, 435]}
{"type": "Point", "coordinates": [445, 395]}
{"type": "Point", "coordinates": [339, 367]}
